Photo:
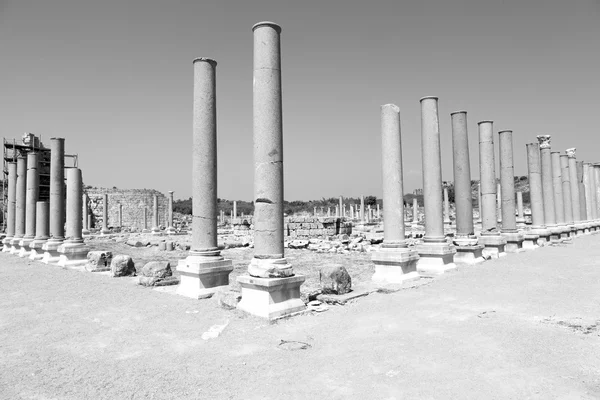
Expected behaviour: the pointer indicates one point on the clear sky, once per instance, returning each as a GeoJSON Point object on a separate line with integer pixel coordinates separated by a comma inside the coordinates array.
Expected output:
{"type": "Point", "coordinates": [114, 78]}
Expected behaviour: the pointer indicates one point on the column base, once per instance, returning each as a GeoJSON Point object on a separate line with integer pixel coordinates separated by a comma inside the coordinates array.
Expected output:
{"type": "Point", "coordinates": [435, 258]}
{"type": "Point", "coordinates": [395, 265]}
{"type": "Point", "coordinates": [51, 255]}
{"type": "Point", "coordinates": [530, 241]}
{"type": "Point", "coordinates": [579, 228]}
{"type": "Point", "coordinates": [514, 242]}
{"type": "Point", "coordinates": [15, 246]}
{"type": "Point", "coordinates": [36, 252]}
{"type": "Point", "coordinates": [6, 244]}
{"type": "Point", "coordinates": [170, 231]}
{"type": "Point", "coordinates": [271, 298]}
{"type": "Point", "coordinates": [105, 232]}
{"type": "Point", "coordinates": [156, 231]}
{"type": "Point", "coordinates": [25, 250]}
{"type": "Point", "coordinates": [555, 233]}
{"type": "Point", "coordinates": [543, 236]}
{"type": "Point", "coordinates": [85, 232]}
{"type": "Point", "coordinates": [468, 251]}
{"type": "Point", "coordinates": [72, 254]}
{"type": "Point", "coordinates": [494, 245]}
{"type": "Point", "coordinates": [202, 276]}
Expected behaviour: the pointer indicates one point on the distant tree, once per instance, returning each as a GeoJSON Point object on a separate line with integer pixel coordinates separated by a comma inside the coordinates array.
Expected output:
{"type": "Point", "coordinates": [370, 201]}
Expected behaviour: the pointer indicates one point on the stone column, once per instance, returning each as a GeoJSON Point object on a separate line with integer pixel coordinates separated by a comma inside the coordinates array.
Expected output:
{"type": "Point", "coordinates": [337, 211]}
{"type": "Point", "coordinates": [86, 217]}
{"type": "Point", "coordinates": [436, 255]}
{"type": "Point", "coordinates": [536, 198]}
{"type": "Point", "coordinates": [565, 175]}
{"type": "Point", "coordinates": [235, 214]}
{"type": "Point", "coordinates": [514, 239]}
{"type": "Point", "coordinates": [559, 208]}
{"type": "Point", "coordinates": [31, 198]}
{"type": "Point", "coordinates": [362, 209]}
{"type": "Point", "coordinates": [467, 249]}
{"type": "Point", "coordinates": [261, 294]}
{"type": "Point", "coordinates": [548, 188]}
{"type": "Point", "coordinates": [597, 186]}
{"type": "Point", "coordinates": [479, 201]}
{"type": "Point", "coordinates": [170, 228]}
{"type": "Point", "coordinates": [73, 252]}
{"type": "Point", "coordinates": [582, 199]}
{"type": "Point", "coordinates": [574, 182]}
{"type": "Point", "coordinates": [379, 211]}
{"type": "Point", "coordinates": [394, 262]}
{"type": "Point", "coordinates": [314, 211]}
{"type": "Point", "coordinates": [57, 201]}
{"type": "Point", "coordinates": [415, 220]}
{"type": "Point", "coordinates": [499, 203]}
{"type": "Point", "coordinates": [490, 236]}
{"type": "Point", "coordinates": [20, 205]}
{"type": "Point", "coordinates": [447, 221]}
{"type": "Point", "coordinates": [587, 190]}
{"type": "Point", "coordinates": [520, 214]}
{"type": "Point", "coordinates": [591, 181]}
{"type": "Point", "coordinates": [329, 211]}
{"type": "Point", "coordinates": [341, 207]}
{"type": "Point", "coordinates": [11, 206]}
{"type": "Point", "coordinates": [105, 230]}
{"type": "Point", "coordinates": [155, 221]}
{"type": "Point", "coordinates": [120, 215]}
{"type": "Point", "coordinates": [42, 230]}
{"type": "Point", "coordinates": [351, 211]}
{"type": "Point", "coordinates": [205, 270]}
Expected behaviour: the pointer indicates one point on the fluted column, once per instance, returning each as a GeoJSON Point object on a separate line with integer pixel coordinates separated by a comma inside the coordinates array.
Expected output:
{"type": "Point", "coordinates": [538, 225]}
{"type": "Point", "coordinates": [446, 207]}
{"type": "Point", "coordinates": [565, 175]}
{"type": "Point", "coordinates": [547, 187]}
{"type": "Point", "coordinates": [574, 184]}
{"type": "Point", "coordinates": [415, 215]}
{"type": "Point", "coordinates": [559, 207]}
{"type": "Point", "coordinates": [591, 182]}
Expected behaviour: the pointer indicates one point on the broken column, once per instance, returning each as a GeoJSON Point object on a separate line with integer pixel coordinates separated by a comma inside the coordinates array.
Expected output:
{"type": "Point", "coordinates": [170, 228]}
{"type": "Point", "coordinates": [574, 182]}
{"type": "Point", "coordinates": [205, 270]}
{"type": "Point", "coordinates": [155, 221]}
{"type": "Point", "coordinates": [436, 254]}
{"type": "Point", "coordinates": [467, 249]}
{"type": "Point", "coordinates": [514, 239]}
{"type": "Point", "coordinates": [565, 175]}
{"type": "Point", "coordinates": [33, 185]}
{"type": "Point", "coordinates": [86, 217]}
{"type": "Point", "coordinates": [20, 205]}
{"type": "Point", "coordinates": [559, 208]}
{"type": "Point", "coordinates": [42, 230]}
{"type": "Point", "coordinates": [11, 206]}
{"type": "Point", "coordinates": [394, 262]}
{"type": "Point", "coordinates": [536, 199]}
{"type": "Point", "coordinates": [73, 251]}
{"type": "Point", "coordinates": [105, 230]}
{"type": "Point", "coordinates": [57, 201]}
{"type": "Point", "coordinates": [547, 187]}
{"type": "Point", "coordinates": [490, 236]}
{"type": "Point", "coordinates": [272, 290]}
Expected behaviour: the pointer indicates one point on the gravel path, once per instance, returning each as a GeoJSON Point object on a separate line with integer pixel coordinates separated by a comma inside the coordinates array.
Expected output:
{"type": "Point", "coordinates": [525, 326]}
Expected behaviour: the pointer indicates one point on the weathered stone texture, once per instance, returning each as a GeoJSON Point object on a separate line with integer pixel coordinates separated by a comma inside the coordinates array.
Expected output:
{"type": "Point", "coordinates": [335, 280]}
{"type": "Point", "coordinates": [122, 265]}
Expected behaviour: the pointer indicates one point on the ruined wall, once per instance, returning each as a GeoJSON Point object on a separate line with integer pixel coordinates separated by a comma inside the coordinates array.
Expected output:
{"type": "Point", "coordinates": [302, 227]}
{"type": "Point", "coordinates": [133, 200]}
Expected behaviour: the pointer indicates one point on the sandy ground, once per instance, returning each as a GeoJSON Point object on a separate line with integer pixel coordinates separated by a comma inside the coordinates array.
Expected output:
{"type": "Point", "coordinates": [523, 327]}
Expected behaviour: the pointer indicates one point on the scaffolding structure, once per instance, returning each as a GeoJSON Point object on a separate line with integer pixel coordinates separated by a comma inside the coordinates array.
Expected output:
{"type": "Point", "coordinates": [29, 143]}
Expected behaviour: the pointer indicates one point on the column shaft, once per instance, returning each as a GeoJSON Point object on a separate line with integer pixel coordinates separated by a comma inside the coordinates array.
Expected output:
{"type": "Point", "coordinates": [559, 207]}
{"type": "Point", "coordinates": [535, 186]}
{"type": "Point", "coordinates": [487, 171]}
{"type": "Point", "coordinates": [12, 200]}
{"type": "Point", "coordinates": [57, 188]}
{"type": "Point", "coordinates": [507, 181]}
{"type": "Point", "coordinates": [462, 175]}
{"type": "Point", "coordinates": [547, 187]}
{"type": "Point", "coordinates": [574, 184]}
{"type": "Point", "coordinates": [582, 206]}
{"type": "Point", "coordinates": [74, 207]}
{"type": "Point", "coordinates": [587, 190]}
{"type": "Point", "coordinates": [21, 193]}
{"type": "Point", "coordinates": [565, 176]}
{"type": "Point", "coordinates": [32, 194]}
{"type": "Point", "coordinates": [42, 220]}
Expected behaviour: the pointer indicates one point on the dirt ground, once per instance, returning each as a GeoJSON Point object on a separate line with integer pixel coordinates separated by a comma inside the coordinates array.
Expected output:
{"type": "Point", "coordinates": [526, 326]}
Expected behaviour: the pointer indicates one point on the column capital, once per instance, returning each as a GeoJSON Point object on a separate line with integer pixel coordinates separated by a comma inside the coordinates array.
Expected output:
{"type": "Point", "coordinates": [571, 152]}
{"type": "Point", "coordinates": [544, 141]}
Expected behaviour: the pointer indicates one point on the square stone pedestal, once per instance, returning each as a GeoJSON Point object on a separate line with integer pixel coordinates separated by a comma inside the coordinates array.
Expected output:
{"type": "Point", "coordinates": [36, 253]}
{"type": "Point", "coordinates": [469, 254]}
{"type": "Point", "coordinates": [202, 276]}
{"type": "Point", "coordinates": [72, 254]}
{"type": "Point", "coordinates": [435, 258]}
{"type": "Point", "coordinates": [514, 242]}
{"type": "Point", "coordinates": [579, 228]}
{"type": "Point", "coordinates": [395, 265]}
{"type": "Point", "coordinates": [271, 298]}
{"type": "Point", "coordinates": [494, 245]}
{"type": "Point", "coordinates": [6, 247]}
{"type": "Point", "coordinates": [543, 236]}
{"type": "Point", "coordinates": [555, 233]}
{"type": "Point", "coordinates": [530, 241]}
{"type": "Point", "coordinates": [564, 232]}
{"type": "Point", "coordinates": [51, 255]}
{"type": "Point", "coordinates": [25, 250]}
{"type": "Point", "coordinates": [170, 231]}
{"type": "Point", "coordinates": [15, 246]}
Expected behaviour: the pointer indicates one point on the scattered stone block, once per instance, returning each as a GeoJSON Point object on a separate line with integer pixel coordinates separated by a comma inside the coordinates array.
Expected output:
{"type": "Point", "coordinates": [170, 246]}
{"type": "Point", "coordinates": [298, 244]}
{"type": "Point", "coordinates": [98, 261]}
{"type": "Point", "coordinates": [122, 265]}
{"type": "Point", "coordinates": [335, 280]}
{"type": "Point", "coordinates": [157, 269]}
{"type": "Point", "coordinates": [162, 246]}
{"type": "Point", "coordinates": [228, 299]}
{"type": "Point", "coordinates": [135, 243]}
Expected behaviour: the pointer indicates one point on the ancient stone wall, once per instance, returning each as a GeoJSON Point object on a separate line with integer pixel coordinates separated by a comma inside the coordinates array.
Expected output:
{"type": "Point", "coordinates": [133, 200]}
{"type": "Point", "coordinates": [301, 227]}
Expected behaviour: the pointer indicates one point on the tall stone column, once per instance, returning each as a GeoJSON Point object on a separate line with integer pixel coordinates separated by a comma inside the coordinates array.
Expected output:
{"type": "Point", "coordinates": [467, 249]}
{"type": "Point", "coordinates": [597, 186]}
{"type": "Point", "coordinates": [31, 198]}
{"type": "Point", "coordinates": [574, 183]}
{"type": "Point", "coordinates": [11, 207]}
{"type": "Point", "coordinates": [565, 175]}
{"type": "Point", "coordinates": [42, 230]}
{"type": "Point", "coordinates": [155, 220]}
{"type": "Point", "coordinates": [436, 255]}
{"type": "Point", "coordinates": [86, 217]}
{"type": "Point", "coordinates": [170, 228]}
{"type": "Point", "coordinates": [205, 270]}
{"type": "Point", "coordinates": [591, 182]}
{"type": "Point", "coordinates": [105, 230]}
{"type": "Point", "coordinates": [73, 252]}
{"type": "Point", "coordinates": [235, 214]}
{"type": "Point", "coordinates": [582, 198]}
{"type": "Point", "coordinates": [514, 239]}
{"type": "Point", "coordinates": [536, 198]}
{"type": "Point", "coordinates": [20, 205]}
{"type": "Point", "coordinates": [57, 201]}
{"type": "Point", "coordinates": [559, 208]}
{"type": "Point", "coordinates": [272, 290]}
{"type": "Point", "coordinates": [548, 188]}
{"type": "Point", "coordinates": [490, 236]}
{"type": "Point", "coordinates": [479, 201]}
{"type": "Point", "coordinates": [520, 214]}
{"type": "Point", "coordinates": [362, 209]}
{"type": "Point", "coordinates": [589, 201]}
{"type": "Point", "coordinates": [415, 215]}
{"type": "Point", "coordinates": [394, 262]}
{"type": "Point", "coordinates": [341, 207]}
